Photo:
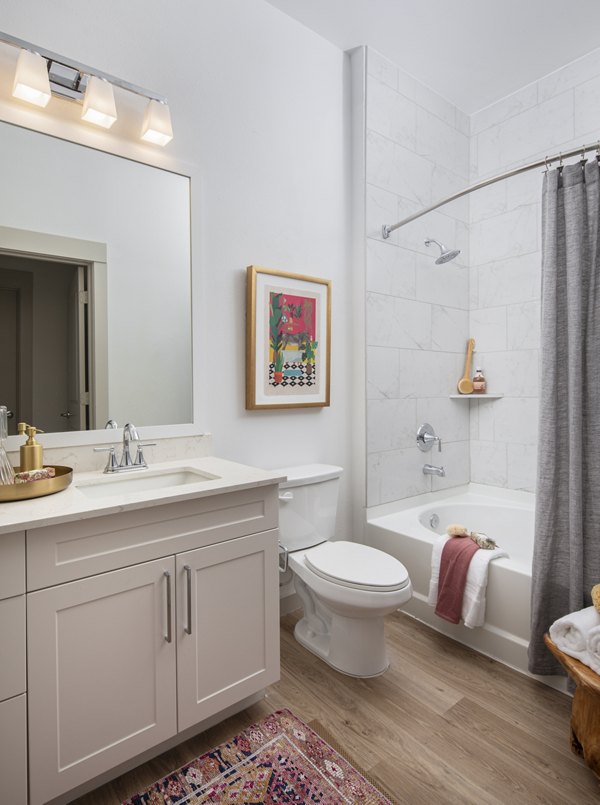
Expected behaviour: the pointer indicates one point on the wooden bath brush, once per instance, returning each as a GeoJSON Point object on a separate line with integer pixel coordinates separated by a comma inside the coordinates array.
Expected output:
{"type": "Point", "coordinates": [465, 384]}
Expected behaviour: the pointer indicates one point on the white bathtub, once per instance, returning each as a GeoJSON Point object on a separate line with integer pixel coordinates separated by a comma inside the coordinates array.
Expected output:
{"type": "Point", "coordinates": [404, 530]}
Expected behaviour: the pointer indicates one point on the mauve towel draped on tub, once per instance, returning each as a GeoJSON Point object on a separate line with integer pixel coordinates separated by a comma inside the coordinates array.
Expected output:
{"type": "Point", "coordinates": [454, 566]}
{"type": "Point", "coordinates": [566, 557]}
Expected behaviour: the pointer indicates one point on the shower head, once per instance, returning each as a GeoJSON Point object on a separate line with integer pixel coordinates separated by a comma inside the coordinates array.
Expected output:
{"type": "Point", "coordinates": [445, 254]}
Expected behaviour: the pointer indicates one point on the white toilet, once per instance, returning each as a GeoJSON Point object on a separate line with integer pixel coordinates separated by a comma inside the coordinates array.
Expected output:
{"type": "Point", "coordinates": [346, 588]}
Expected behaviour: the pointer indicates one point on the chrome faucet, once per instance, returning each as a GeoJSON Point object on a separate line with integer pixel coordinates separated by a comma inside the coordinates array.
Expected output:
{"type": "Point", "coordinates": [130, 434]}
{"type": "Point", "coordinates": [429, 469]}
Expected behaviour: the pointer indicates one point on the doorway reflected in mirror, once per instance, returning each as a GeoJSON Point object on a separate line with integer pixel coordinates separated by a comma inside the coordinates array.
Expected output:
{"type": "Point", "coordinates": [46, 315]}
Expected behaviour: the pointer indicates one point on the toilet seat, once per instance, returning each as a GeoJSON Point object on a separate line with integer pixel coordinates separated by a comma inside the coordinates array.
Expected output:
{"type": "Point", "coordinates": [351, 564]}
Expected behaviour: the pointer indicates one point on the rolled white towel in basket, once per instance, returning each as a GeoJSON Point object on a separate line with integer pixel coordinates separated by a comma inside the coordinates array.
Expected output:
{"type": "Point", "coordinates": [593, 646]}
{"type": "Point", "coordinates": [570, 633]}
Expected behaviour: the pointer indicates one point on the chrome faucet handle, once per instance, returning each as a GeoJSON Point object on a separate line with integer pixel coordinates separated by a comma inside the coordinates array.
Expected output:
{"type": "Point", "coordinates": [426, 438]}
{"type": "Point", "coordinates": [111, 464]}
{"type": "Point", "coordinates": [111, 425]}
{"type": "Point", "coordinates": [140, 461]}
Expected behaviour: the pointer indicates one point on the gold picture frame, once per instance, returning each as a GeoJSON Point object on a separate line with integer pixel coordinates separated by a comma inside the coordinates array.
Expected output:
{"type": "Point", "coordinates": [288, 340]}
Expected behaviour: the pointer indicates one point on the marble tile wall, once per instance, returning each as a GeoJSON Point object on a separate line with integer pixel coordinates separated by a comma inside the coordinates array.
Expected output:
{"type": "Point", "coordinates": [559, 112]}
{"type": "Point", "coordinates": [420, 148]}
{"type": "Point", "coordinates": [417, 314]}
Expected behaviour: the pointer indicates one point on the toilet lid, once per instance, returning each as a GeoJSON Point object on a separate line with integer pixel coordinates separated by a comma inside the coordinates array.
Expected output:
{"type": "Point", "coordinates": [355, 565]}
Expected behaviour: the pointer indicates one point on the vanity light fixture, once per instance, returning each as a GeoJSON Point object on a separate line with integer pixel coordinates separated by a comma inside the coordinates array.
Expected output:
{"type": "Point", "coordinates": [31, 79]}
{"type": "Point", "coordinates": [99, 103]}
{"type": "Point", "coordinates": [41, 73]}
{"type": "Point", "coordinates": [157, 127]}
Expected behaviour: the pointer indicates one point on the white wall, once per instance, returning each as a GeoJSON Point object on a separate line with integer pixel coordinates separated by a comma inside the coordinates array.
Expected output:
{"type": "Point", "coordinates": [417, 150]}
{"type": "Point", "coordinates": [259, 106]}
{"type": "Point", "coordinates": [559, 112]}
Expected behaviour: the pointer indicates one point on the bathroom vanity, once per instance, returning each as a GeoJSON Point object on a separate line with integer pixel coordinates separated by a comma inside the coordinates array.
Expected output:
{"type": "Point", "coordinates": [134, 612]}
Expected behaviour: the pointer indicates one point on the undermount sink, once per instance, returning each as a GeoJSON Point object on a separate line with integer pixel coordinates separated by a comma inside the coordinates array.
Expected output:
{"type": "Point", "coordinates": [142, 481]}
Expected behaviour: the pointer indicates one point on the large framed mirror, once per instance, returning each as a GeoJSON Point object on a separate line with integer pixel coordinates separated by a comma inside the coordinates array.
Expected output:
{"type": "Point", "coordinates": [95, 287]}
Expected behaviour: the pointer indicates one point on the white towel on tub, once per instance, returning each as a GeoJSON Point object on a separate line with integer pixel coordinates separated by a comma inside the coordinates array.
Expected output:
{"type": "Point", "coordinates": [473, 606]}
{"type": "Point", "coordinates": [570, 633]}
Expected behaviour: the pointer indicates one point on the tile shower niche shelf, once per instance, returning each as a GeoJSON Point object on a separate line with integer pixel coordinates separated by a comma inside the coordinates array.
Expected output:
{"type": "Point", "coordinates": [476, 396]}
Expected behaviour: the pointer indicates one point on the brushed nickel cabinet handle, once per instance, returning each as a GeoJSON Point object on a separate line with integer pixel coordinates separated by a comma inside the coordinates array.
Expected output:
{"type": "Point", "coordinates": [188, 626]}
{"type": "Point", "coordinates": [169, 635]}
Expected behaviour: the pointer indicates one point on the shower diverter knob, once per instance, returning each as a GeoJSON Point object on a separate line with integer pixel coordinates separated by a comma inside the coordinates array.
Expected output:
{"type": "Point", "coordinates": [426, 438]}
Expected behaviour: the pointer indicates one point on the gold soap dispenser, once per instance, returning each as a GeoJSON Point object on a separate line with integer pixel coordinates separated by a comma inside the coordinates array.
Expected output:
{"type": "Point", "coordinates": [32, 452]}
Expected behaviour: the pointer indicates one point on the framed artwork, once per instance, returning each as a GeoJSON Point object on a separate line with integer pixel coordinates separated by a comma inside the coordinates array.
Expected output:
{"type": "Point", "coordinates": [288, 339]}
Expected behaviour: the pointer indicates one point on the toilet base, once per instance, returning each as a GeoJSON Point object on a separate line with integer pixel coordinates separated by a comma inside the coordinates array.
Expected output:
{"type": "Point", "coordinates": [353, 646]}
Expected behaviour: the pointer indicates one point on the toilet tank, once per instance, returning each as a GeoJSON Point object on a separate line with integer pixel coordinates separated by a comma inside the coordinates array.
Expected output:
{"type": "Point", "coordinates": [308, 504]}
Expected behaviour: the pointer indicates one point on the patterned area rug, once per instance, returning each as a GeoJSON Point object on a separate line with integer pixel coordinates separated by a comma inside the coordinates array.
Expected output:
{"type": "Point", "coordinates": [278, 761]}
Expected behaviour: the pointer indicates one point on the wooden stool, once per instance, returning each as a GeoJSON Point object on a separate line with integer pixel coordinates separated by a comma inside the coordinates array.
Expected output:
{"type": "Point", "coordinates": [585, 710]}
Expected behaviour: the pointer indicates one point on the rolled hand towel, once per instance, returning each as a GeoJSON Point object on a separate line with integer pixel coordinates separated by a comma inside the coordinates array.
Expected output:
{"type": "Point", "coordinates": [28, 476]}
{"type": "Point", "coordinates": [593, 646]}
{"type": "Point", "coordinates": [570, 633]}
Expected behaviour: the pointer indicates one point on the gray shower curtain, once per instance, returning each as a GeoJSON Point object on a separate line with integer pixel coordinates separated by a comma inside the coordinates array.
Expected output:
{"type": "Point", "coordinates": [566, 559]}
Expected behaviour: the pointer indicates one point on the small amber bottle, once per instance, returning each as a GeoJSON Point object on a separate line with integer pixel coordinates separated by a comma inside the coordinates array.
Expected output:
{"type": "Point", "coordinates": [479, 382]}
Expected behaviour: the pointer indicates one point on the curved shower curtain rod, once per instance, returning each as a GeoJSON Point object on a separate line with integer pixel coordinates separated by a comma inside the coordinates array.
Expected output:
{"type": "Point", "coordinates": [387, 229]}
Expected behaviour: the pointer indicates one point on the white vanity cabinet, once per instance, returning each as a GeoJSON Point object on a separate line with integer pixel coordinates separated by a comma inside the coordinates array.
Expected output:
{"type": "Point", "coordinates": [162, 617]}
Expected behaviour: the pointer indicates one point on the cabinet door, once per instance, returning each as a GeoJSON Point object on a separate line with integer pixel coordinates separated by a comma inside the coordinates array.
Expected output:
{"type": "Point", "coordinates": [12, 651]}
{"type": "Point", "coordinates": [12, 564]}
{"type": "Point", "coordinates": [101, 674]}
{"type": "Point", "coordinates": [13, 751]}
{"type": "Point", "coordinates": [227, 624]}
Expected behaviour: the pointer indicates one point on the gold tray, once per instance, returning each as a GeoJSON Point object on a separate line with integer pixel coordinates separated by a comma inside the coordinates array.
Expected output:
{"type": "Point", "coordinates": [37, 489]}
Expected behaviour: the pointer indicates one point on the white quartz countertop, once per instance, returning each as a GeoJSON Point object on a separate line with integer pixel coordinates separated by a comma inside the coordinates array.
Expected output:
{"type": "Point", "coordinates": [74, 504]}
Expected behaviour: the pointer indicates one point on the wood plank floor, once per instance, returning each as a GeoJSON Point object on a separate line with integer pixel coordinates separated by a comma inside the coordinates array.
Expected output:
{"type": "Point", "coordinates": [443, 725]}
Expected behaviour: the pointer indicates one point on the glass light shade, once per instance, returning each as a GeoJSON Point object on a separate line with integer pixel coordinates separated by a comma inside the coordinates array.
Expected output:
{"type": "Point", "coordinates": [99, 103]}
{"type": "Point", "coordinates": [157, 127]}
{"type": "Point", "coordinates": [31, 79]}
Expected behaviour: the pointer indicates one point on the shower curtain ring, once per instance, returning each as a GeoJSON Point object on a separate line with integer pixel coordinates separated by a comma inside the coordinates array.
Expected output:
{"type": "Point", "coordinates": [549, 163]}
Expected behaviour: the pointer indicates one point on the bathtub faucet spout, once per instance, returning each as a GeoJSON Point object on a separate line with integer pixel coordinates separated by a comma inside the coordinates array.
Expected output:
{"type": "Point", "coordinates": [429, 469]}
